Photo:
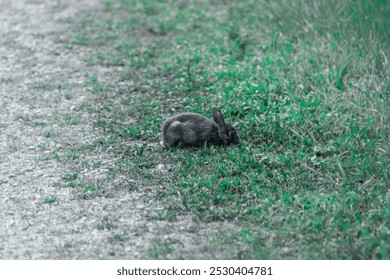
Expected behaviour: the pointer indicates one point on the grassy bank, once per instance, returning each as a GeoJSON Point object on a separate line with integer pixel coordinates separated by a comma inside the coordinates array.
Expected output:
{"type": "Point", "coordinates": [307, 86]}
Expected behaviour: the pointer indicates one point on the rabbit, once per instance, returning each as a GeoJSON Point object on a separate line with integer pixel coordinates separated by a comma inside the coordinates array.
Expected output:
{"type": "Point", "coordinates": [194, 130]}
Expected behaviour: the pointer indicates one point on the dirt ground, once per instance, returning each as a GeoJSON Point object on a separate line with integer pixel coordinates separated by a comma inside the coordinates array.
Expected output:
{"type": "Point", "coordinates": [37, 68]}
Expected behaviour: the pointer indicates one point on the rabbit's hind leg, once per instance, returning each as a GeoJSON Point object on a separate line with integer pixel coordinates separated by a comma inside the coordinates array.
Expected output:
{"type": "Point", "coordinates": [172, 135]}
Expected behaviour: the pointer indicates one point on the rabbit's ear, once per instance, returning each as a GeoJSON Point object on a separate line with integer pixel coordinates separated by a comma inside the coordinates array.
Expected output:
{"type": "Point", "coordinates": [217, 116]}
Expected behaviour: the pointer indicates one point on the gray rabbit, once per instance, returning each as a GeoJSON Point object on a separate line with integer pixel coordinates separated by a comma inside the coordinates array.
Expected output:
{"type": "Point", "coordinates": [195, 130]}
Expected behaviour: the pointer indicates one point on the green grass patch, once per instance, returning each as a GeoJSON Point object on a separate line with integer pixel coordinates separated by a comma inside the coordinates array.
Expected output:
{"type": "Point", "coordinates": [308, 90]}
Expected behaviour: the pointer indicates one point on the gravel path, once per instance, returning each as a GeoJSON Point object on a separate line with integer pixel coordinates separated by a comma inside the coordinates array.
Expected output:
{"type": "Point", "coordinates": [33, 67]}
{"type": "Point", "coordinates": [37, 69]}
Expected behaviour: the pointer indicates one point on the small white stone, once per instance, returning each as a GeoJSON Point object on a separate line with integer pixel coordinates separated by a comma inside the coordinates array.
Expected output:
{"type": "Point", "coordinates": [160, 167]}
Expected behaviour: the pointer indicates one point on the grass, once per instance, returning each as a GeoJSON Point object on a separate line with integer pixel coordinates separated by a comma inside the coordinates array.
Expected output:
{"type": "Point", "coordinates": [307, 86]}
{"type": "Point", "coordinates": [160, 249]}
{"type": "Point", "coordinates": [106, 224]}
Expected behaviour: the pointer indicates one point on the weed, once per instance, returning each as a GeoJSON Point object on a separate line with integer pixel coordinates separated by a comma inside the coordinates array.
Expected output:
{"type": "Point", "coordinates": [48, 133]}
{"type": "Point", "coordinates": [95, 86]}
{"type": "Point", "coordinates": [105, 224]}
{"type": "Point", "coordinates": [169, 215]}
{"type": "Point", "coordinates": [117, 238]}
{"type": "Point", "coordinates": [70, 176]}
{"type": "Point", "coordinates": [55, 156]}
{"type": "Point", "coordinates": [160, 249]}
{"type": "Point", "coordinates": [42, 146]}
{"type": "Point", "coordinates": [91, 191]}
{"type": "Point", "coordinates": [50, 199]}
{"type": "Point", "coordinates": [68, 96]}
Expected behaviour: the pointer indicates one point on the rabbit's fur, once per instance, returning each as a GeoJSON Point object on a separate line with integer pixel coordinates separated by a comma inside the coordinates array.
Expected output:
{"type": "Point", "coordinates": [195, 130]}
